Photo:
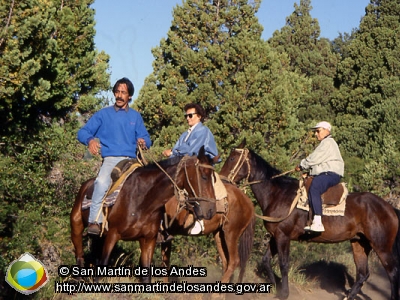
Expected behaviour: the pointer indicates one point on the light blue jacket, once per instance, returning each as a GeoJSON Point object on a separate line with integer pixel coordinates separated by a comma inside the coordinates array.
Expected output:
{"type": "Point", "coordinates": [200, 136]}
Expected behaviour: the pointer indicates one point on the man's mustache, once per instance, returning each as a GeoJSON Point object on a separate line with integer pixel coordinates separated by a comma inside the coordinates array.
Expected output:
{"type": "Point", "coordinates": [119, 99]}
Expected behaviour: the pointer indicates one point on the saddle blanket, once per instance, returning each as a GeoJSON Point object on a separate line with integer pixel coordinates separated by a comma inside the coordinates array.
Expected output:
{"type": "Point", "coordinates": [327, 210]}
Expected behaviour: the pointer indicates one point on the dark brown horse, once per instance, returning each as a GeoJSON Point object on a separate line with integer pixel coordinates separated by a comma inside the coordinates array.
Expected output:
{"type": "Point", "coordinates": [233, 231]}
{"type": "Point", "coordinates": [369, 223]}
{"type": "Point", "coordinates": [137, 212]}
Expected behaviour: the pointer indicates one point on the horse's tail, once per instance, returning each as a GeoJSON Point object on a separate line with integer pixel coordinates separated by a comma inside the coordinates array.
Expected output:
{"type": "Point", "coordinates": [245, 247]}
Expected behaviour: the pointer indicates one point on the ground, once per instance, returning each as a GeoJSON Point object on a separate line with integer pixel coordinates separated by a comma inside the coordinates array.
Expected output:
{"type": "Point", "coordinates": [327, 281]}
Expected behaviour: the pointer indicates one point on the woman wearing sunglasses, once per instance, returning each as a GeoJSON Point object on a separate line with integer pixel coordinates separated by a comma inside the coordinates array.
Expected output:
{"type": "Point", "coordinates": [196, 136]}
{"type": "Point", "coordinates": [189, 143]}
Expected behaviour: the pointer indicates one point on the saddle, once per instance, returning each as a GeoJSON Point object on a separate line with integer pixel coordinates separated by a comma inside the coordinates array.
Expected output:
{"type": "Point", "coordinates": [118, 175]}
{"type": "Point", "coordinates": [332, 196]}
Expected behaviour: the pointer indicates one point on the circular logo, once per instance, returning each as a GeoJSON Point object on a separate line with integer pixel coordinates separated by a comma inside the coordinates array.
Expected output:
{"type": "Point", "coordinates": [26, 274]}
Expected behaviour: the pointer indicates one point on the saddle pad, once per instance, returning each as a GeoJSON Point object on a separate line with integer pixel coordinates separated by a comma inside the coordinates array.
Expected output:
{"type": "Point", "coordinates": [222, 206]}
{"type": "Point", "coordinates": [113, 190]}
{"type": "Point", "coordinates": [327, 210]}
{"type": "Point", "coordinates": [219, 188]}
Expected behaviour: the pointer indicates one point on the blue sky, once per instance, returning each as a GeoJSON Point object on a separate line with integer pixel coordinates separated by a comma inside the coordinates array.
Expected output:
{"type": "Point", "coordinates": [128, 29]}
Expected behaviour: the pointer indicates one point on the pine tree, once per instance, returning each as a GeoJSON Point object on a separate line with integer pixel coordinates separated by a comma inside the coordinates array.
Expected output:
{"type": "Point", "coordinates": [214, 55]}
{"type": "Point", "coordinates": [312, 57]}
{"type": "Point", "coordinates": [48, 64]}
{"type": "Point", "coordinates": [367, 103]}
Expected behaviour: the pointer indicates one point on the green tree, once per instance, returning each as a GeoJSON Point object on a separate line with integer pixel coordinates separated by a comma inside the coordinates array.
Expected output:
{"type": "Point", "coordinates": [312, 57]}
{"type": "Point", "coordinates": [48, 63]}
{"type": "Point", "coordinates": [214, 55]}
{"type": "Point", "coordinates": [49, 72]}
{"type": "Point", "coordinates": [367, 101]}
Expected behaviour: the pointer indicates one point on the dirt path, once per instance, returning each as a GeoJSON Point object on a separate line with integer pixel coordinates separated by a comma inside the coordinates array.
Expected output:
{"type": "Point", "coordinates": [325, 281]}
{"type": "Point", "coordinates": [330, 283]}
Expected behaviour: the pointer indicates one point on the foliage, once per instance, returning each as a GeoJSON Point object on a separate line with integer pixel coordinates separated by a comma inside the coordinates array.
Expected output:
{"type": "Point", "coordinates": [269, 92]}
{"type": "Point", "coordinates": [310, 56]}
{"type": "Point", "coordinates": [49, 67]}
{"type": "Point", "coordinates": [366, 103]}
{"type": "Point", "coordinates": [214, 55]}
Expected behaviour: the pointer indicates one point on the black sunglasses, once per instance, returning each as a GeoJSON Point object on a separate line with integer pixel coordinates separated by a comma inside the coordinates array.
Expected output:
{"type": "Point", "coordinates": [190, 115]}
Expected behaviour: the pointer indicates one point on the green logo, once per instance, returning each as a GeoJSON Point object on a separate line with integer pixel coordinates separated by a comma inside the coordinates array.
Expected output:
{"type": "Point", "coordinates": [26, 274]}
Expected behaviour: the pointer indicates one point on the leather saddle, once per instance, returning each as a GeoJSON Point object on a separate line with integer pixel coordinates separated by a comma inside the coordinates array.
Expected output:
{"type": "Point", "coordinates": [122, 167]}
{"type": "Point", "coordinates": [332, 196]}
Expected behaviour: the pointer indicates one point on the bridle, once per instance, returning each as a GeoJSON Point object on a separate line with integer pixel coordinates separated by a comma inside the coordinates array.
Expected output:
{"type": "Point", "coordinates": [182, 195]}
{"type": "Point", "coordinates": [243, 158]}
{"type": "Point", "coordinates": [182, 192]}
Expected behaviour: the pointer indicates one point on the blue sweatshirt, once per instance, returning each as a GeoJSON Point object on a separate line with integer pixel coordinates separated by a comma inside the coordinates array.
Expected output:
{"type": "Point", "coordinates": [117, 129]}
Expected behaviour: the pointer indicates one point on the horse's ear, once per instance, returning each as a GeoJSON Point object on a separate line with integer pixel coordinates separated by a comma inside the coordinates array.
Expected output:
{"type": "Point", "coordinates": [215, 159]}
{"type": "Point", "coordinates": [202, 154]}
{"type": "Point", "coordinates": [242, 144]}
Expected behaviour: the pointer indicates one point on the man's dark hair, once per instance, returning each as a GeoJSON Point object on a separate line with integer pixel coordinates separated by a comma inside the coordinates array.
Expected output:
{"type": "Point", "coordinates": [199, 110]}
{"type": "Point", "coordinates": [129, 85]}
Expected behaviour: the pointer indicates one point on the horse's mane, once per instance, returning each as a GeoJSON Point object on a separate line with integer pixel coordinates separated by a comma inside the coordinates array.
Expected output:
{"type": "Point", "coordinates": [164, 163]}
{"type": "Point", "coordinates": [267, 171]}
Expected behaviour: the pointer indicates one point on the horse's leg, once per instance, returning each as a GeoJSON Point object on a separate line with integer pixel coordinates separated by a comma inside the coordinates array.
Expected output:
{"type": "Point", "coordinates": [111, 239]}
{"type": "Point", "coordinates": [391, 264]}
{"type": "Point", "coordinates": [361, 249]}
{"type": "Point", "coordinates": [283, 247]}
{"type": "Point", "coordinates": [77, 228]}
{"type": "Point", "coordinates": [147, 246]}
{"type": "Point", "coordinates": [230, 240]}
{"type": "Point", "coordinates": [266, 263]}
{"type": "Point", "coordinates": [166, 256]}
{"type": "Point", "coordinates": [221, 251]}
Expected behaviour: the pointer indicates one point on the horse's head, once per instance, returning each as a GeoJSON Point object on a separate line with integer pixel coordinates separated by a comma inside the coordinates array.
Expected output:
{"type": "Point", "coordinates": [236, 166]}
{"type": "Point", "coordinates": [195, 175]}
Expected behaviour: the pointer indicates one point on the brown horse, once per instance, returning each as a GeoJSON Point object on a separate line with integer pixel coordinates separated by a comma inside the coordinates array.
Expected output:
{"type": "Point", "coordinates": [137, 212]}
{"type": "Point", "coordinates": [229, 229]}
{"type": "Point", "coordinates": [369, 223]}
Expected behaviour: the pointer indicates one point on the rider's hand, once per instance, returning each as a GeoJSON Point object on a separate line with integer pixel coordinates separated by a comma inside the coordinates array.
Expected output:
{"type": "Point", "coordinates": [142, 143]}
{"type": "Point", "coordinates": [167, 152]}
{"type": "Point", "coordinates": [298, 169]}
{"type": "Point", "coordinates": [94, 147]}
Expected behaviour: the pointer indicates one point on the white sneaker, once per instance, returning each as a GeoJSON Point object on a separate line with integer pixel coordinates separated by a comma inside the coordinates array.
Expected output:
{"type": "Point", "coordinates": [197, 228]}
{"type": "Point", "coordinates": [317, 227]}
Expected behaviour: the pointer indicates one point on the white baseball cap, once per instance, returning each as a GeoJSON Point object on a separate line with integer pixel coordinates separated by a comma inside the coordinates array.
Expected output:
{"type": "Point", "coordinates": [323, 124]}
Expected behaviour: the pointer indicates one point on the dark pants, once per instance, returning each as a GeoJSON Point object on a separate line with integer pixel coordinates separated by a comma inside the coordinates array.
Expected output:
{"type": "Point", "coordinates": [319, 185]}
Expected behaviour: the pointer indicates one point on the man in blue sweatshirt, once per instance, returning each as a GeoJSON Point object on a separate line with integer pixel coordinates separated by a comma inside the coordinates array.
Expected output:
{"type": "Point", "coordinates": [119, 129]}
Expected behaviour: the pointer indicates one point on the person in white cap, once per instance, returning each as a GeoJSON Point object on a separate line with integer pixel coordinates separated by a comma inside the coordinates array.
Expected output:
{"type": "Point", "coordinates": [326, 165]}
